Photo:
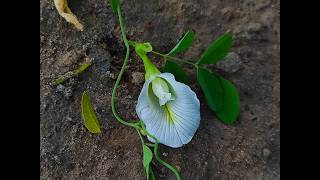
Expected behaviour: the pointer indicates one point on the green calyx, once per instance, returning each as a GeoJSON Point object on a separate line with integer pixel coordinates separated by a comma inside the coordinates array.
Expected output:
{"type": "Point", "coordinates": [142, 49]}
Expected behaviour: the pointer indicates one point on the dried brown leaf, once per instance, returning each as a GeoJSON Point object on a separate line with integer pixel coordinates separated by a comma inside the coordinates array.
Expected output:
{"type": "Point", "coordinates": [65, 12]}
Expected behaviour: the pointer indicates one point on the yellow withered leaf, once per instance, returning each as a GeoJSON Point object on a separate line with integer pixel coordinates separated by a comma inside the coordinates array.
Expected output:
{"type": "Point", "coordinates": [65, 12]}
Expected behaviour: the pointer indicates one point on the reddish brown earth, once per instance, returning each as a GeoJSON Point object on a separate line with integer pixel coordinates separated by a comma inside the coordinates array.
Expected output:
{"type": "Point", "coordinates": [249, 149]}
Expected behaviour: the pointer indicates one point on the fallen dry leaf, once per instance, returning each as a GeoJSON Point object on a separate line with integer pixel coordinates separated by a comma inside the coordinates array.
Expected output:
{"type": "Point", "coordinates": [65, 12]}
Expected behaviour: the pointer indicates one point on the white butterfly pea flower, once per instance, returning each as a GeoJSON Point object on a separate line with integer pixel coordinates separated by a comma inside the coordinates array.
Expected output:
{"type": "Point", "coordinates": [169, 109]}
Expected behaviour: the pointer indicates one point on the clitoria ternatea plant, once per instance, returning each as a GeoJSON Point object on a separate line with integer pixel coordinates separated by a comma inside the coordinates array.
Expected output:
{"type": "Point", "coordinates": [168, 110]}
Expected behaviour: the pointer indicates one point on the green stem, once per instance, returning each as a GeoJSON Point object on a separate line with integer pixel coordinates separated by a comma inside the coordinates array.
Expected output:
{"type": "Point", "coordinates": [135, 125]}
{"type": "Point", "coordinates": [150, 68]}
{"type": "Point", "coordinates": [142, 141]}
{"type": "Point", "coordinates": [114, 112]}
{"type": "Point", "coordinates": [155, 151]}
{"type": "Point", "coordinates": [173, 58]}
{"type": "Point", "coordinates": [149, 144]}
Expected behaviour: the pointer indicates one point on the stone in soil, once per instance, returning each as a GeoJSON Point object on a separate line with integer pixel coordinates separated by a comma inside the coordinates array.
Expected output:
{"type": "Point", "coordinates": [266, 153]}
{"type": "Point", "coordinates": [137, 78]}
{"type": "Point", "coordinates": [231, 63]}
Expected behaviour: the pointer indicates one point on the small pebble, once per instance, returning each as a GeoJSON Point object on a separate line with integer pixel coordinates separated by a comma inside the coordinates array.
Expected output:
{"type": "Point", "coordinates": [254, 27]}
{"type": "Point", "coordinates": [70, 58]}
{"type": "Point", "coordinates": [68, 92]}
{"type": "Point", "coordinates": [266, 153]}
{"type": "Point", "coordinates": [60, 88]}
{"type": "Point", "coordinates": [254, 119]}
{"type": "Point", "coordinates": [231, 63]}
{"type": "Point", "coordinates": [137, 78]}
{"type": "Point", "coordinates": [42, 38]}
{"type": "Point", "coordinates": [178, 168]}
{"type": "Point", "coordinates": [110, 75]}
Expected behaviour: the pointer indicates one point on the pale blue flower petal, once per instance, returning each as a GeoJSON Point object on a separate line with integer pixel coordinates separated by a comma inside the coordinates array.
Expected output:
{"type": "Point", "coordinates": [175, 123]}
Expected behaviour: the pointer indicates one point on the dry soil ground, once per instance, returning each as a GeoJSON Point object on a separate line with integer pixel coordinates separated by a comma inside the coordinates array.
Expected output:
{"type": "Point", "coordinates": [249, 149]}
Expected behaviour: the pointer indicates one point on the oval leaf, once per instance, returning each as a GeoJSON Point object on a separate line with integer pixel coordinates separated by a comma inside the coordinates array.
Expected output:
{"type": "Point", "coordinates": [176, 70]}
{"type": "Point", "coordinates": [114, 5]}
{"type": "Point", "coordinates": [217, 50]}
{"type": "Point", "coordinates": [83, 67]}
{"type": "Point", "coordinates": [231, 103]}
{"type": "Point", "coordinates": [90, 120]}
{"type": "Point", "coordinates": [211, 87]}
{"type": "Point", "coordinates": [183, 44]}
{"type": "Point", "coordinates": [147, 157]}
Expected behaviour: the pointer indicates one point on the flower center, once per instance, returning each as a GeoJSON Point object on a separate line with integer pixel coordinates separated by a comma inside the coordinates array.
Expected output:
{"type": "Point", "coordinates": [161, 90]}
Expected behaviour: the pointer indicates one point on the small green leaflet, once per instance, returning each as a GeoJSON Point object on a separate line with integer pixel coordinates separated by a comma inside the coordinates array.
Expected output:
{"type": "Point", "coordinates": [62, 78]}
{"type": "Point", "coordinates": [231, 103]}
{"type": "Point", "coordinates": [90, 120]}
{"type": "Point", "coordinates": [83, 67]}
{"type": "Point", "coordinates": [221, 95]}
{"type": "Point", "coordinates": [217, 50]}
{"type": "Point", "coordinates": [114, 5]}
{"type": "Point", "coordinates": [183, 44]}
{"type": "Point", "coordinates": [211, 87]}
{"type": "Point", "coordinates": [147, 158]}
{"type": "Point", "coordinates": [70, 74]}
{"type": "Point", "coordinates": [176, 70]}
{"type": "Point", "coordinates": [173, 67]}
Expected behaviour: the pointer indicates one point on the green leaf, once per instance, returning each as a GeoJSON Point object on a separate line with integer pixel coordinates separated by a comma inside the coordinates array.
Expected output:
{"type": "Point", "coordinates": [147, 156]}
{"type": "Point", "coordinates": [59, 80]}
{"type": "Point", "coordinates": [90, 120]}
{"type": "Point", "coordinates": [217, 50]}
{"type": "Point", "coordinates": [70, 74]}
{"type": "Point", "coordinates": [63, 78]}
{"type": "Point", "coordinates": [183, 44]}
{"type": "Point", "coordinates": [231, 103]}
{"type": "Point", "coordinates": [211, 87]}
{"type": "Point", "coordinates": [83, 67]}
{"type": "Point", "coordinates": [176, 70]}
{"type": "Point", "coordinates": [114, 5]}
